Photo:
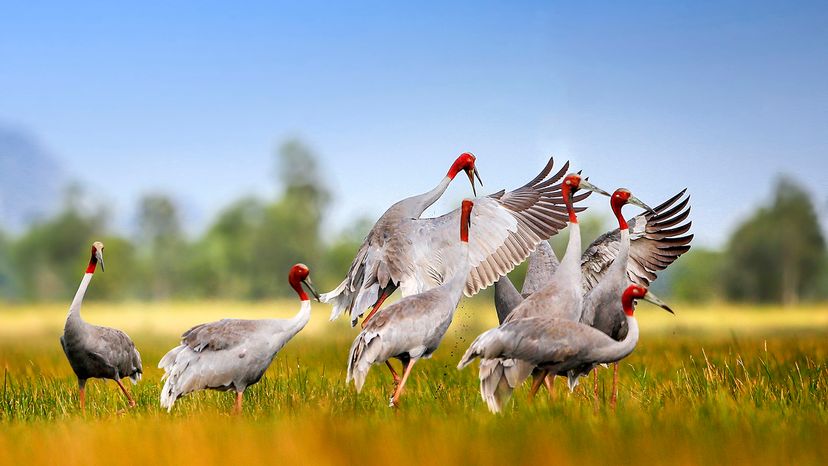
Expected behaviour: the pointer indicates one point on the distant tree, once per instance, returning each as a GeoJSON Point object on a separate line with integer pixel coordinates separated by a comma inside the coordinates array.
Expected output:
{"type": "Point", "coordinates": [8, 288]}
{"type": "Point", "coordinates": [777, 254]}
{"type": "Point", "coordinates": [162, 246]}
{"type": "Point", "coordinates": [223, 263]}
{"type": "Point", "coordinates": [252, 244]}
{"type": "Point", "coordinates": [290, 231]}
{"type": "Point", "coordinates": [49, 257]}
{"type": "Point", "coordinates": [340, 252]}
{"type": "Point", "coordinates": [697, 277]}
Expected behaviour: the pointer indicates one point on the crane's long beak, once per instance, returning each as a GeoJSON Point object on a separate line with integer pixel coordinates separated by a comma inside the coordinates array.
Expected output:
{"type": "Point", "coordinates": [99, 257]}
{"type": "Point", "coordinates": [636, 201]}
{"type": "Point", "coordinates": [307, 281]}
{"type": "Point", "coordinates": [591, 187]}
{"type": "Point", "coordinates": [650, 297]}
{"type": "Point", "coordinates": [472, 172]}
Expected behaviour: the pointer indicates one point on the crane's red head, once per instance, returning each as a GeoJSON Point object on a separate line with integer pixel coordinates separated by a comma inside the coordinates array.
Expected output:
{"type": "Point", "coordinates": [622, 197]}
{"type": "Point", "coordinates": [466, 163]}
{"type": "Point", "coordinates": [97, 256]}
{"type": "Point", "coordinates": [634, 292]}
{"type": "Point", "coordinates": [572, 183]}
{"type": "Point", "coordinates": [298, 275]}
{"type": "Point", "coordinates": [465, 219]}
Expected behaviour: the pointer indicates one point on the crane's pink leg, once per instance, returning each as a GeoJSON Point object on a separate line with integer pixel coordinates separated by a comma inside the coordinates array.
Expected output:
{"type": "Point", "coordinates": [82, 395]}
{"type": "Point", "coordinates": [537, 380]}
{"type": "Point", "coordinates": [132, 403]}
{"type": "Point", "coordinates": [614, 385]}
{"type": "Point", "coordinates": [385, 294]}
{"type": "Point", "coordinates": [393, 373]}
{"type": "Point", "coordinates": [549, 381]}
{"type": "Point", "coordinates": [396, 398]}
{"type": "Point", "coordinates": [595, 388]}
{"type": "Point", "coordinates": [237, 408]}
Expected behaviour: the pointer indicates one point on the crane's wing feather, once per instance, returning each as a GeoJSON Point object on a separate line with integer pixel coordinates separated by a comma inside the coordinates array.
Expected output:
{"type": "Point", "coordinates": [506, 228]}
{"type": "Point", "coordinates": [112, 347]}
{"type": "Point", "coordinates": [417, 254]}
{"type": "Point", "coordinates": [217, 336]}
{"type": "Point", "coordinates": [656, 241]}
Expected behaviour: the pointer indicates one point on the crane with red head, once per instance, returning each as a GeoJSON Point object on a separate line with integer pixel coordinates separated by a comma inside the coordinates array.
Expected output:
{"type": "Point", "coordinates": [232, 354]}
{"type": "Point", "coordinates": [413, 327]}
{"type": "Point", "coordinates": [404, 251]}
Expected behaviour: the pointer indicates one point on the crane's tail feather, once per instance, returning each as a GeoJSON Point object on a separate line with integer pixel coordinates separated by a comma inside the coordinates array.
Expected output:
{"type": "Point", "coordinates": [137, 369]}
{"type": "Point", "coordinates": [494, 387]}
{"type": "Point", "coordinates": [499, 378]}
{"type": "Point", "coordinates": [175, 364]}
{"type": "Point", "coordinates": [340, 297]}
{"type": "Point", "coordinates": [363, 355]}
{"type": "Point", "coordinates": [485, 344]}
{"type": "Point", "coordinates": [365, 298]}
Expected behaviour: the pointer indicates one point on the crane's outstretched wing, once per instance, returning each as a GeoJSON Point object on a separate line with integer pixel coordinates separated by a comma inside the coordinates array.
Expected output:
{"type": "Point", "coordinates": [655, 243]}
{"type": "Point", "coordinates": [418, 254]}
{"type": "Point", "coordinates": [505, 228]}
{"type": "Point", "coordinates": [217, 336]}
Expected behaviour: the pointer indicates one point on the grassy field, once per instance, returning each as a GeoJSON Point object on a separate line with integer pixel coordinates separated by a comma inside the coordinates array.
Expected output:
{"type": "Point", "coordinates": [717, 384]}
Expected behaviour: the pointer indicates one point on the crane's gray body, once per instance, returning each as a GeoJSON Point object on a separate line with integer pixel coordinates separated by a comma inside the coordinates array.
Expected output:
{"type": "Point", "coordinates": [556, 294]}
{"type": "Point", "coordinates": [653, 242]}
{"type": "Point", "coordinates": [97, 352]}
{"type": "Point", "coordinates": [555, 345]}
{"type": "Point", "coordinates": [230, 354]}
{"type": "Point", "coordinates": [402, 250]}
{"type": "Point", "coordinates": [542, 265]}
{"type": "Point", "coordinates": [409, 329]}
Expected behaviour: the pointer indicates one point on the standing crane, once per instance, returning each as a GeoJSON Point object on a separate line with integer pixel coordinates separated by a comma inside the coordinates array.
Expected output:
{"type": "Point", "coordinates": [232, 354]}
{"type": "Point", "coordinates": [542, 265]}
{"type": "Point", "coordinates": [561, 298]}
{"type": "Point", "coordinates": [615, 260]}
{"type": "Point", "coordinates": [98, 352]}
{"type": "Point", "coordinates": [559, 345]}
{"type": "Point", "coordinates": [413, 327]}
{"type": "Point", "coordinates": [405, 251]}
{"type": "Point", "coordinates": [654, 242]}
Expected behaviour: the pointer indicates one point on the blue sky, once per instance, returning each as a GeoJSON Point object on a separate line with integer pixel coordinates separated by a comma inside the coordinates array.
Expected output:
{"type": "Point", "coordinates": [192, 99]}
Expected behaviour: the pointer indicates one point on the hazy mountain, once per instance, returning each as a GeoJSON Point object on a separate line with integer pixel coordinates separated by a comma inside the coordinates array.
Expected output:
{"type": "Point", "coordinates": [30, 179]}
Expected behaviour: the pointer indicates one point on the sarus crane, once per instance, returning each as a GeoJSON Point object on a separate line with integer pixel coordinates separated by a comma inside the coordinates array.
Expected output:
{"type": "Point", "coordinates": [98, 352]}
{"type": "Point", "coordinates": [655, 241]}
{"type": "Point", "coordinates": [403, 250]}
{"type": "Point", "coordinates": [559, 345]}
{"type": "Point", "coordinates": [413, 327]}
{"type": "Point", "coordinates": [232, 354]}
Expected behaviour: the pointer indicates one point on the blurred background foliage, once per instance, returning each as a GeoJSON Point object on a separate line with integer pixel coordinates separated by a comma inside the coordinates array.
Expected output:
{"type": "Point", "coordinates": [776, 255]}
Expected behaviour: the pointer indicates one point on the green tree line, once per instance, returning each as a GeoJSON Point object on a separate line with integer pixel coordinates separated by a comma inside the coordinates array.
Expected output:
{"type": "Point", "coordinates": [778, 254]}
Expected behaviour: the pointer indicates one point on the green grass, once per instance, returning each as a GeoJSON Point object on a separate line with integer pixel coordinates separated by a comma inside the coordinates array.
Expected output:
{"type": "Point", "coordinates": [720, 384]}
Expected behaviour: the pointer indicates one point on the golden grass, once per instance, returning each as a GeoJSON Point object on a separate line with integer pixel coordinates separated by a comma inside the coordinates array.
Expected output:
{"type": "Point", "coordinates": [715, 384]}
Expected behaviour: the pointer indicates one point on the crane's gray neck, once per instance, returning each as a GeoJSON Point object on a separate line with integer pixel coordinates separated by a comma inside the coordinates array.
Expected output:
{"type": "Point", "coordinates": [619, 265]}
{"type": "Point", "coordinates": [506, 298]}
{"type": "Point", "coordinates": [416, 205]}
{"type": "Point", "coordinates": [77, 301]}
{"type": "Point", "coordinates": [457, 283]}
{"type": "Point", "coordinates": [571, 262]}
{"type": "Point", "coordinates": [302, 317]}
{"type": "Point", "coordinates": [542, 266]}
{"type": "Point", "coordinates": [618, 350]}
